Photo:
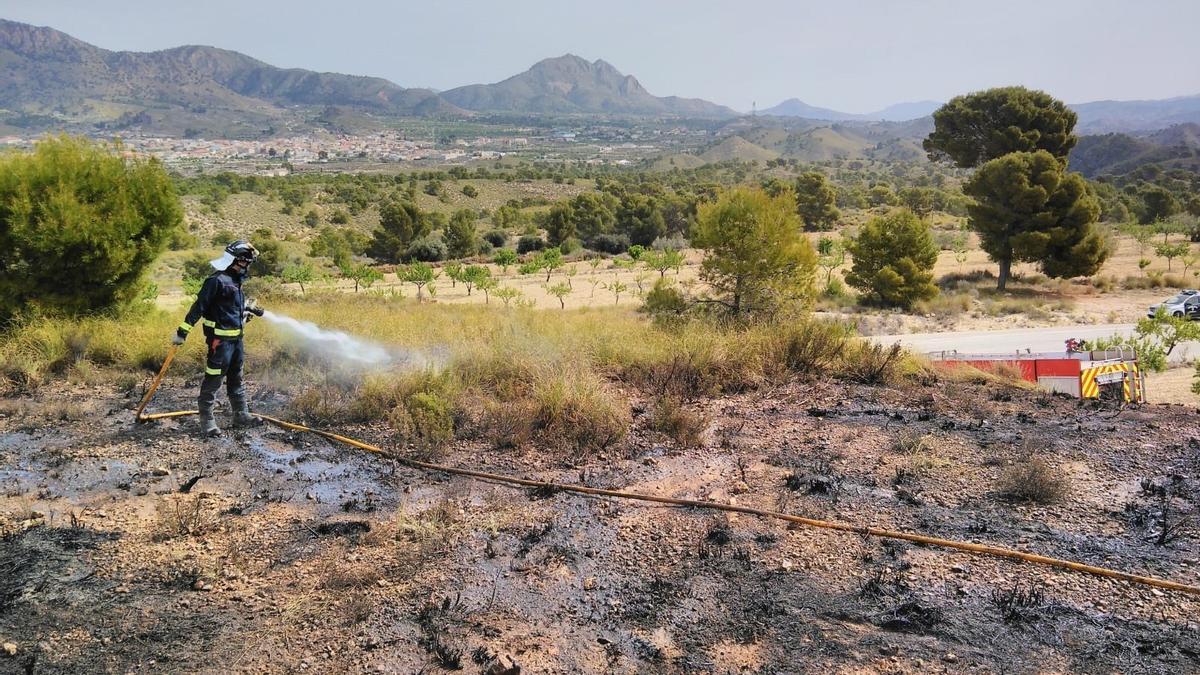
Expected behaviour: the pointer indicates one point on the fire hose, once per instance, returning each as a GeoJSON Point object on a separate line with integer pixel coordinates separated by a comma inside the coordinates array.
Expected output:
{"type": "Point", "coordinates": [863, 530]}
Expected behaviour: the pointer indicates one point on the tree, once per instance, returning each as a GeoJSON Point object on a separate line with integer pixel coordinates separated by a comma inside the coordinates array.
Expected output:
{"type": "Point", "coordinates": [893, 258]}
{"type": "Point", "coordinates": [1172, 251]}
{"type": "Point", "coordinates": [505, 258]}
{"type": "Point", "coordinates": [831, 256]}
{"type": "Point", "coordinates": [593, 215]}
{"type": "Point", "coordinates": [1154, 338]}
{"type": "Point", "coordinates": [617, 289]}
{"type": "Point", "coordinates": [507, 294]}
{"type": "Point", "coordinates": [816, 201]}
{"type": "Point", "coordinates": [80, 226]}
{"type": "Point", "coordinates": [640, 219]}
{"type": "Point", "coordinates": [559, 224]}
{"type": "Point", "coordinates": [1160, 204]}
{"type": "Point", "coordinates": [299, 273]}
{"type": "Point", "coordinates": [756, 258]}
{"type": "Point", "coordinates": [459, 235]}
{"type": "Point", "coordinates": [976, 128]}
{"type": "Point", "coordinates": [400, 224]}
{"type": "Point", "coordinates": [419, 274]}
{"type": "Point", "coordinates": [919, 199]}
{"type": "Point", "coordinates": [365, 275]}
{"type": "Point", "coordinates": [550, 260]}
{"type": "Point", "coordinates": [312, 218]}
{"type": "Point", "coordinates": [661, 261]}
{"type": "Point", "coordinates": [487, 284]}
{"type": "Point", "coordinates": [560, 291]}
{"type": "Point", "coordinates": [472, 275]}
{"type": "Point", "coordinates": [331, 244]}
{"type": "Point", "coordinates": [470, 191]}
{"type": "Point", "coordinates": [1028, 208]}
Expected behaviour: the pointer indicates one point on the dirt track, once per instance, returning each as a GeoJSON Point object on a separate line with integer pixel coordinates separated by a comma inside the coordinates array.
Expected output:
{"type": "Point", "coordinates": [290, 554]}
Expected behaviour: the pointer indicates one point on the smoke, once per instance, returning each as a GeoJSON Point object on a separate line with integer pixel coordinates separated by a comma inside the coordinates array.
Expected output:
{"type": "Point", "coordinates": [343, 349]}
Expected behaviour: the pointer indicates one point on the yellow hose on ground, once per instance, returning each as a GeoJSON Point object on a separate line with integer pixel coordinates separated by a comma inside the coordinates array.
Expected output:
{"type": "Point", "coordinates": [865, 530]}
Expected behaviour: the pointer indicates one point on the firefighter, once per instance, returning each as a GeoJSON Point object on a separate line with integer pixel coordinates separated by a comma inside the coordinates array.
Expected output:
{"type": "Point", "coordinates": [223, 311]}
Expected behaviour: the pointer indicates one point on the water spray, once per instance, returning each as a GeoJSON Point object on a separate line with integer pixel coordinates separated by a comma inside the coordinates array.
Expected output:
{"type": "Point", "coordinates": [335, 345]}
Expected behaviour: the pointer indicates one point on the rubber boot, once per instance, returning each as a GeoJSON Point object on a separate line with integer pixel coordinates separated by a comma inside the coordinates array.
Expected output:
{"type": "Point", "coordinates": [242, 416]}
{"type": "Point", "coordinates": [208, 425]}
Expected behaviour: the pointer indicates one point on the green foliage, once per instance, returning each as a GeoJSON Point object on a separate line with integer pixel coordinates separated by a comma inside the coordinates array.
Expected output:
{"type": "Point", "coordinates": [430, 248]}
{"type": "Point", "coordinates": [460, 237]}
{"type": "Point", "coordinates": [299, 273]}
{"type": "Point", "coordinates": [665, 303]}
{"type": "Point", "coordinates": [419, 274]}
{"type": "Point", "coordinates": [400, 224]}
{"type": "Point", "coordinates": [661, 261]}
{"type": "Point", "coordinates": [560, 291]}
{"type": "Point", "coordinates": [182, 240]}
{"type": "Point", "coordinates": [330, 243]}
{"type": "Point", "coordinates": [831, 255]}
{"type": "Point", "coordinates": [469, 190]}
{"type": "Point", "coordinates": [505, 258]}
{"type": "Point", "coordinates": [594, 215]}
{"type": "Point", "coordinates": [365, 276]}
{"type": "Point", "coordinates": [756, 258]}
{"type": "Point", "coordinates": [550, 260]}
{"type": "Point", "coordinates": [473, 276]}
{"type": "Point", "coordinates": [312, 218]}
{"type": "Point", "coordinates": [1159, 204]}
{"type": "Point", "coordinates": [497, 238]}
{"type": "Point", "coordinates": [270, 255]}
{"type": "Point", "coordinates": [559, 223]}
{"type": "Point", "coordinates": [979, 127]}
{"type": "Point", "coordinates": [1029, 208]}
{"type": "Point", "coordinates": [640, 219]}
{"type": "Point", "coordinates": [339, 217]}
{"type": "Point", "coordinates": [1172, 251]}
{"type": "Point", "coordinates": [79, 226]}
{"type": "Point", "coordinates": [530, 242]}
{"type": "Point", "coordinates": [816, 201]}
{"type": "Point", "coordinates": [893, 258]}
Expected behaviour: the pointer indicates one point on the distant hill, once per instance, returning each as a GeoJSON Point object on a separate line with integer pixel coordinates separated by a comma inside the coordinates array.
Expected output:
{"type": "Point", "coordinates": [48, 75]}
{"type": "Point", "coordinates": [570, 84]}
{"type": "Point", "coordinates": [899, 112]}
{"type": "Point", "coordinates": [1118, 154]}
{"type": "Point", "coordinates": [1132, 116]}
{"type": "Point", "coordinates": [807, 140]}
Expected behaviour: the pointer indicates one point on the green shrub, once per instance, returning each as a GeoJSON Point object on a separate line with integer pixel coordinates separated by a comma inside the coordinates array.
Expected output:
{"type": "Point", "coordinates": [430, 248]}
{"type": "Point", "coordinates": [530, 242]}
{"type": "Point", "coordinates": [893, 258]}
{"type": "Point", "coordinates": [79, 226]}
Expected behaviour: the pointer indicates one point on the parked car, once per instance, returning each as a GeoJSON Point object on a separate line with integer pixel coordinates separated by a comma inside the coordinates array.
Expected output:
{"type": "Point", "coordinates": [1187, 303]}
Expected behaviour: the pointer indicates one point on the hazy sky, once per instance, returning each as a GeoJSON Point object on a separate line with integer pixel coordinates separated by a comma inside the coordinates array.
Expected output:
{"type": "Point", "coordinates": [848, 55]}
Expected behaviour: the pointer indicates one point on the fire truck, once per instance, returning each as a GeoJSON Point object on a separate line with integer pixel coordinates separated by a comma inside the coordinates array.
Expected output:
{"type": "Point", "coordinates": [1111, 374]}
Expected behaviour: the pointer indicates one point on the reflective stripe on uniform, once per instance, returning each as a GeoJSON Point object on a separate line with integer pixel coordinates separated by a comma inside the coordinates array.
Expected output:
{"type": "Point", "coordinates": [209, 322]}
{"type": "Point", "coordinates": [185, 327]}
{"type": "Point", "coordinates": [227, 332]}
{"type": "Point", "coordinates": [212, 371]}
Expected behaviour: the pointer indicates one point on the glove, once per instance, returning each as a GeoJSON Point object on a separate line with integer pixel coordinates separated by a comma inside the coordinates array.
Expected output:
{"type": "Point", "coordinates": [178, 339]}
{"type": "Point", "coordinates": [246, 316]}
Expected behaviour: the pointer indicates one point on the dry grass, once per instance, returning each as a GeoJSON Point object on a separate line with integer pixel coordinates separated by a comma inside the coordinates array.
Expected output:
{"type": "Point", "coordinates": [668, 416]}
{"type": "Point", "coordinates": [1033, 479]}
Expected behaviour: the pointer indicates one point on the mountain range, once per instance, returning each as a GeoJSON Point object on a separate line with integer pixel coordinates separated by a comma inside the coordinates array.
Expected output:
{"type": "Point", "coordinates": [50, 80]}
{"type": "Point", "coordinates": [1097, 117]}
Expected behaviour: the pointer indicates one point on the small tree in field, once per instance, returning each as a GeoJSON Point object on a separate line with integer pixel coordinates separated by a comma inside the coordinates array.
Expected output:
{"type": "Point", "coordinates": [505, 258]}
{"type": "Point", "coordinates": [560, 291]}
{"type": "Point", "coordinates": [299, 273]}
{"type": "Point", "coordinates": [453, 272]}
{"type": "Point", "coordinates": [661, 261]}
{"type": "Point", "coordinates": [487, 284]}
{"type": "Point", "coordinates": [831, 256]}
{"type": "Point", "coordinates": [472, 275]}
{"type": "Point", "coordinates": [894, 257]}
{"type": "Point", "coordinates": [617, 289]}
{"type": "Point", "coordinates": [507, 294]}
{"type": "Point", "coordinates": [550, 260]}
{"type": "Point", "coordinates": [1172, 251]}
{"type": "Point", "coordinates": [365, 275]}
{"type": "Point", "coordinates": [756, 258]}
{"type": "Point", "coordinates": [418, 274]}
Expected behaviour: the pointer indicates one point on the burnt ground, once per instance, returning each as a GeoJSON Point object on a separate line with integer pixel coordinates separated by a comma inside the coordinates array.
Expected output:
{"type": "Point", "coordinates": [144, 548]}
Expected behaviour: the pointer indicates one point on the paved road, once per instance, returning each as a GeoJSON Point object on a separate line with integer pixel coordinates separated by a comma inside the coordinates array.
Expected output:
{"type": "Point", "coordinates": [1050, 339]}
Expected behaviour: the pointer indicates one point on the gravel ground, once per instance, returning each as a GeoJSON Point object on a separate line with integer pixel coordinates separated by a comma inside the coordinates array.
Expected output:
{"type": "Point", "coordinates": [146, 549]}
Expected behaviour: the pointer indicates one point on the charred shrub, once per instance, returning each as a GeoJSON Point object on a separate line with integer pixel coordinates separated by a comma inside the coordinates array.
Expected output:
{"type": "Point", "coordinates": [671, 418]}
{"type": "Point", "coordinates": [1017, 604]}
{"type": "Point", "coordinates": [1033, 479]}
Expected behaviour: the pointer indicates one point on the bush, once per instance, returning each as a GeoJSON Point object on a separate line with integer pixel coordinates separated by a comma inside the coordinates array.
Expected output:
{"type": "Point", "coordinates": [428, 419]}
{"type": "Point", "coordinates": [665, 302]}
{"type": "Point", "coordinates": [812, 346]}
{"type": "Point", "coordinates": [578, 412]}
{"type": "Point", "coordinates": [80, 225]}
{"type": "Point", "coordinates": [530, 242]}
{"type": "Point", "coordinates": [872, 363]}
{"type": "Point", "coordinates": [469, 190]}
{"type": "Point", "coordinates": [497, 238]}
{"type": "Point", "coordinates": [613, 244]}
{"type": "Point", "coordinates": [669, 417]}
{"type": "Point", "coordinates": [1033, 480]}
{"type": "Point", "coordinates": [570, 245]}
{"type": "Point", "coordinates": [429, 248]}
{"type": "Point", "coordinates": [893, 260]}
